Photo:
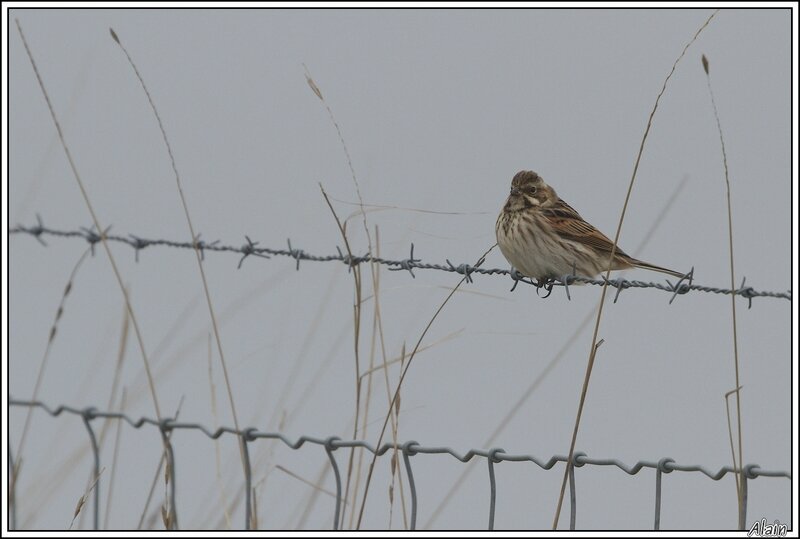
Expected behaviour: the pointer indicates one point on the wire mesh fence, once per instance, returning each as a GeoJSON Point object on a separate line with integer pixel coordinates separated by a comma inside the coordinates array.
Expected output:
{"type": "Point", "coordinates": [408, 449]}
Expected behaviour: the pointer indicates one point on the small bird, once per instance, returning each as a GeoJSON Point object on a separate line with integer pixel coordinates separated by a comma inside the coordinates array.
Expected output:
{"type": "Point", "coordinates": [544, 238]}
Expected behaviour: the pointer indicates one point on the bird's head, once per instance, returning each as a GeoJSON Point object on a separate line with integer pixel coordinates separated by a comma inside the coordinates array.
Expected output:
{"type": "Point", "coordinates": [528, 190]}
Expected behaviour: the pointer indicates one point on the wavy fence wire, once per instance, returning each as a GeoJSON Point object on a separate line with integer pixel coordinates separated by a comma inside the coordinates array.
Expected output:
{"type": "Point", "coordinates": [408, 449]}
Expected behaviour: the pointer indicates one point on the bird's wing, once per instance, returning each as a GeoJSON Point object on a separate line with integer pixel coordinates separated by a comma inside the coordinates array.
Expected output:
{"type": "Point", "coordinates": [571, 225]}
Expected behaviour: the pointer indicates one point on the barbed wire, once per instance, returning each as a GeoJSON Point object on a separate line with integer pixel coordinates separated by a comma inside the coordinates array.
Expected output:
{"type": "Point", "coordinates": [251, 248]}
{"type": "Point", "coordinates": [408, 449]}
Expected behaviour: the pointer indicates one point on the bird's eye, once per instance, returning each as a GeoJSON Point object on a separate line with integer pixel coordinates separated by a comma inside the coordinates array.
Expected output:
{"type": "Point", "coordinates": [533, 190]}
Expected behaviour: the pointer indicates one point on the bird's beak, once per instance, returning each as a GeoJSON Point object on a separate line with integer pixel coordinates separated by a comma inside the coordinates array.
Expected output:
{"type": "Point", "coordinates": [514, 191]}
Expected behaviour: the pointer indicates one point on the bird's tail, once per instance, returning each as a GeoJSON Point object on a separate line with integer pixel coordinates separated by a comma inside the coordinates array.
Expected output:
{"type": "Point", "coordinates": [653, 267]}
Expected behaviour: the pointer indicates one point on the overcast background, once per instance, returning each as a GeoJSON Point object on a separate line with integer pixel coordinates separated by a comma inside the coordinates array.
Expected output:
{"type": "Point", "coordinates": [439, 108]}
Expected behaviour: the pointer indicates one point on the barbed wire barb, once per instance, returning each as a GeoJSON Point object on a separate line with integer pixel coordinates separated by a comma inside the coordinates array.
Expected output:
{"type": "Point", "coordinates": [406, 264]}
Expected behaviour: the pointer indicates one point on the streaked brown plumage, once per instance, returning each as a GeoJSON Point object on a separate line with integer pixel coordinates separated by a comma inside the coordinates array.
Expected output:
{"type": "Point", "coordinates": [543, 237]}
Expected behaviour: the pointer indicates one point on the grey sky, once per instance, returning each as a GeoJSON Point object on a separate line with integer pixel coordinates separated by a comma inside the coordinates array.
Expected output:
{"type": "Point", "coordinates": [439, 108]}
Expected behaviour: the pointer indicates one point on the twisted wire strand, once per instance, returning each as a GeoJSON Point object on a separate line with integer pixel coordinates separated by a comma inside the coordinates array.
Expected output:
{"type": "Point", "coordinates": [408, 264]}
{"type": "Point", "coordinates": [666, 465]}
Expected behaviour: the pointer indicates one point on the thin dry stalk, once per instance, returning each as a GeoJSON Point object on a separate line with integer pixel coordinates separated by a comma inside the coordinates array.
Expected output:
{"type": "Point", "coordinates": [100, 230]}
{"type": "Point", "coordinates": [402, 377]}
{"type": "Point", "coordinates": [368, 396]}
{"type": "Point", "coordinates": [40, 374]}
{"type": "Point", "coordinates": [377, 207]}
{"type": "Point", "coordinates": [593, 349]}
{"type": "Point", "coordinates": [305, 481]}
{"type": "Point", "coordinates": [254, 516]}
{"type": "Point", "coordinates": [395, 452]}
{"type": "Point", "coordinates": [117, 445]}
{"type": "Point", "coordinates": [730, 432]}
{"type": "Point", "coordinates": [357, 308]}
{"type": "Point", "coordinates": [318, 93]}
{"type": "Point", "coordinates": [401, 358]}
{"type": "Point", "coordinates": [375, 271]}
{"type": "Point", "coordinates": [279, 415]}
{"type": "Point", "coordinates": [82, 499]}
{"type": "Point", "coordinates": [217, 453]}
{"type": "Point", "coordinates": [356, 270]}
{"type": "Point", "coordinates": [121, 349]}
{"type": "Point", "coordinates": [308, 507]}
{"type": "Point", "coordinates": [377, 332]}
{"type": "Point", "coordinates": [396, 412]}
{"type": "Point", "coordinates": [197, 252]}
{"type": "Point", "coordinates": [161, 462]}
{"type": "Point", "coordinates": [326, 468]}
{"type": "Point", "coordinates": [105, 428]}
{"type": "Point", "coordinates": [740, 472]}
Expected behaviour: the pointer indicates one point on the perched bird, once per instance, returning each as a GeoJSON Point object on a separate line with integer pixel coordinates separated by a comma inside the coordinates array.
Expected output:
{"type": "Point", "coordinates": [544, 238]}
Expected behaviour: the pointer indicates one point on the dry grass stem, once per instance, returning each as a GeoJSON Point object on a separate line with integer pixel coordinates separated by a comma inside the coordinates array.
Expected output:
{"type": "Point", "coordinates": [593, 349]}
{"type": "Point", "coordinates": [739, 476]}
{"type": "Point", "coordinates": [402, 377]}
{"type": "Point", "coordinates": [356, 276]}
{"type": "Point", "coordinates": [84, 496]}
{"type": "Point", "coordinates": [100, 230]}
{"type": "Point", "coordinates": [165, 458]}
{"type": "Point", "coordinates": [115, 459]}
{"type": "Point", "coordinates": [15, 470]}
{"type": "Point", "coordinates": [356, 272]}
{"type": "Point", "coordinates": [305, 481]}
{"type": "Point", "coordinates": [212, 389]}
{"type": "Point", "coordinates": [194, 236]}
